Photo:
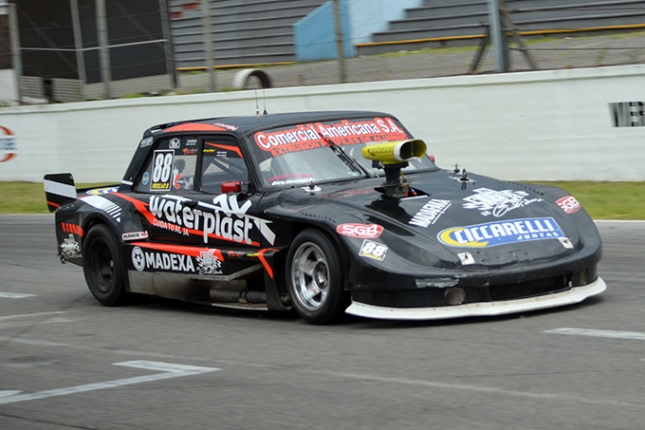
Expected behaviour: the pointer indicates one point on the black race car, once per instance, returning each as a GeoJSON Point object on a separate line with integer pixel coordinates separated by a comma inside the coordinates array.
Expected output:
{"type": "Point", "coordinates": [325, 212]}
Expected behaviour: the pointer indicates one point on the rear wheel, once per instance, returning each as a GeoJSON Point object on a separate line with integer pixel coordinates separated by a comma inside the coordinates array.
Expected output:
{"type": "Point", "coordinates": [102, 266]}
{"type": "Point", "coordinates": [315, 278]}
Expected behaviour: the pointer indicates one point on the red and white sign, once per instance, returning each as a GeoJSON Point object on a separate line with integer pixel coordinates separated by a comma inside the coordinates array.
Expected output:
{"type": "Point", "coordinates": [8, 146]}
{"type": "Point", "coordinates": [569, 204]}
{"type": "Point", "coordinates": [302, 137]}
{"type": "Point", "coordinates": [361, 231]}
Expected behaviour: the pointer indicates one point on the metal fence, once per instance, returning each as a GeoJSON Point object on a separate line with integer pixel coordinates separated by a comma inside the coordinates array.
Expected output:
{"type": "Point", "coordinates": [379, 39]}
{"type": "Point", "coordinates": [87, 49]}
{"type": "Point", "coordinates": [445, 38]}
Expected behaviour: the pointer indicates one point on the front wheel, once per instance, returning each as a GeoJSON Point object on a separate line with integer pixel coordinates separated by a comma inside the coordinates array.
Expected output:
{"type": "Point", "coordinates": [315, 278]}
{"type": "Point", "coordinates": [102, 266]}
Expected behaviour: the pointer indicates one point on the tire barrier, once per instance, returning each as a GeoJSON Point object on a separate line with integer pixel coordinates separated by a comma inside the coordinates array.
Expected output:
{"type": "Point", "coordinates": [241, 78]}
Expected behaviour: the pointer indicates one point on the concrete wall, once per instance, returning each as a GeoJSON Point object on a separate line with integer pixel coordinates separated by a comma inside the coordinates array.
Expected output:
{"type": "Point", "coordinates": [8, 87]}
{"type": "Point", "coordinates": [548, 125]}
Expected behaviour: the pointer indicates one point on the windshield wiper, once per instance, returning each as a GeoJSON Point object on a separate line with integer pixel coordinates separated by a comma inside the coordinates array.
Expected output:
{"type": "Point", "coordinates": [351, 162]}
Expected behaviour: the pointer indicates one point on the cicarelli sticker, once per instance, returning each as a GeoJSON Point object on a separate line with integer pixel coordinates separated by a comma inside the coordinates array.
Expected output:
{"type": "Point", "coordinates": [373, 250]}
{"type": "Point", "coordinates": [162, 169]}
{"type": "Point", "coordinates": [501, 233]}
{"type": "Point", "coordinates": [569, 204]}
{"type": "Point", "coordinates": [361, 231]}
{"type": "Point", "coordinates": [497, 203]}
{"type": "Point", "coordinates": [430, 212]}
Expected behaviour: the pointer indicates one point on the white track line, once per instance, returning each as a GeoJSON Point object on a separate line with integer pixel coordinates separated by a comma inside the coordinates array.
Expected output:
{"type": "Point", "coordinates": [15, 295]}
{"type": "Point", "coordinates": [613, 334]}
{"type": "Point", "coordinates": [626, 221]}
{"type": "Point", "coordinates": [50, 344]}
{"type": "Point", "coordinates": [560, 397]}
{"type": "Point", "coordinates": [39, 314]}
{"type": "Point", "coordinates": [169, 370]}
{"type": "Point", "coordinates": [31, 323]}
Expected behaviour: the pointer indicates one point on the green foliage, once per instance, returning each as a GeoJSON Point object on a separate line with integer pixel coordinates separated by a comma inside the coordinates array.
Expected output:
{"type": "Point", "coordinates": [607, 200]}
{"type": "Point", "coordinates": [27, 197]}
{"type": "Point", "coordinates": [133, 96]}
{"type": "Point", "coordinates": [22, 198]}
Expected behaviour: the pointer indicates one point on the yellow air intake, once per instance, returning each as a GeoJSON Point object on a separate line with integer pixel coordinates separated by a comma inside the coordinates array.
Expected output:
{"type": "Point", "coordinates": [395, 152]}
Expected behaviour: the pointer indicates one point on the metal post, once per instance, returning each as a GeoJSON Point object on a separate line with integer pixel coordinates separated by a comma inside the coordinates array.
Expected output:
{"type": "Point", "coordinates": [208, 44]}
{"type": "Point", "coordinates": [104, 51]}
{"type": "Point", "coordinates": [14, 35]}
{"type": "Point", "coordinates": [339, 41]}
{"type": "Point", "coordinates": [165, 29]}
{"type": "Point", "coordinates": [78, 46]}
{"type": "Point", "coordinates": [498, 36]}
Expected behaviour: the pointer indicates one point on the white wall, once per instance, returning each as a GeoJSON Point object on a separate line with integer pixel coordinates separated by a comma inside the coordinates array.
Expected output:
{"type": "Point", "coordinates": [8, 87]}
{"type": "Point", "coordinates": [551, 125]}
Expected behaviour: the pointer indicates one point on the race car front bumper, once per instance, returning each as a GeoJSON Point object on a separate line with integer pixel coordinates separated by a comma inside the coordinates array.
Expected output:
{"type": "Point", "coordinates": [491, 308]}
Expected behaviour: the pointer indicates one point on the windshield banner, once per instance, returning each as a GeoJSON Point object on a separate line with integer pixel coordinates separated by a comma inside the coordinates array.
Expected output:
{"type": "Point", "coordinates": [302, 137]}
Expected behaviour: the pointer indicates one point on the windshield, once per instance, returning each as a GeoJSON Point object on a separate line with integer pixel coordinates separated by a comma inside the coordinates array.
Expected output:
{"type": "Point", "coordinates": [318, 165]}
{"type": "Point", "coordinates": [300, 154]}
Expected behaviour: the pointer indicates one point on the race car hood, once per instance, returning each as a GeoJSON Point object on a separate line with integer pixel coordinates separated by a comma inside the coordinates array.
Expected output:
{"type": "Point", "coordinates": [450, 222]}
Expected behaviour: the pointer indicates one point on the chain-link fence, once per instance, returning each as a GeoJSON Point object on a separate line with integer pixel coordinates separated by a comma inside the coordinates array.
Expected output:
{"type": "Point", "coordinates": [296, 42]}
{"type": "Point", "coordinates": [409, 39]}
{"type": "Point", "coordinates": [79, 49]}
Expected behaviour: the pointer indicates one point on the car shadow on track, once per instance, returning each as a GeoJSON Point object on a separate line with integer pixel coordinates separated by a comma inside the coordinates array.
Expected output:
{"type": "Point", "coordinates": [157, 304]}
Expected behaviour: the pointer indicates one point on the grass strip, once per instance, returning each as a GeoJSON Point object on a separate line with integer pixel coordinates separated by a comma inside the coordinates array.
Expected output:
{"type": "Point", "coordinates": [602, 200]}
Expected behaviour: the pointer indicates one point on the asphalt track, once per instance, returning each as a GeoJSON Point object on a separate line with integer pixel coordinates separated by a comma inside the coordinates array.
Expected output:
{"type": "Point", "coordinates": [68, 363]}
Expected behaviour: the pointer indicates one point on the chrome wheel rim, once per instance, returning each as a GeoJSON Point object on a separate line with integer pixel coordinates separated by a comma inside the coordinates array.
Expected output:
{"type": "Point", "coordinates": [310, 276]}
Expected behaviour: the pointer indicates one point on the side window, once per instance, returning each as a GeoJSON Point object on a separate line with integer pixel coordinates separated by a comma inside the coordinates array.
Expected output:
{"type": "Point", "coordinates": [170, 167]}
{"type": "Point", "coordinates": [222, 161]}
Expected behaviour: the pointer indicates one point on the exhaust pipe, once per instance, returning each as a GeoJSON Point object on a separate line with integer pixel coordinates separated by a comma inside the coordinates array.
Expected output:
{"type": "Point", "coordinates": [236, 296]}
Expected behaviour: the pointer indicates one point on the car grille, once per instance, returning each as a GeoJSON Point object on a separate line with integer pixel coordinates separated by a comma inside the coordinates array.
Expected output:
{"type": "Point", "coordinates": [529, 289]}
{"type": "Point", "coordinates": [433, 297]}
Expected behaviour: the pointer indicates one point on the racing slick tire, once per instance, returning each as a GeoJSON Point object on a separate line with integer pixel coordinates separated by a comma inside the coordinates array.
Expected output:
{"type": "Point", "coordinates": [103, 267]}
{"type": "Point", "coordinates": [315, 278]}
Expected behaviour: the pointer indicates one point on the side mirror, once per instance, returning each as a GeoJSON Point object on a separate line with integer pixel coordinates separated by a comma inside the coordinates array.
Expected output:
{"type": "Point", "coordinates": [231, 187]}
{"type": "Point", "coordinates": [431, 157]}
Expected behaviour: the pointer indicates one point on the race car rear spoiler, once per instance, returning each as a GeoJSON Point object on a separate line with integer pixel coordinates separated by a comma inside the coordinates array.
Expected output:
{"type": "Point", "coordinates": [59, 190]}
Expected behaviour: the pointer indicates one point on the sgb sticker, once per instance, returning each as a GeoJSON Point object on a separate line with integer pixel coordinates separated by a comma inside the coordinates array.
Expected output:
{"type": "Point", "coordinates": [373, 250]}
{"type": "Point", "coordinates": [569, 204]}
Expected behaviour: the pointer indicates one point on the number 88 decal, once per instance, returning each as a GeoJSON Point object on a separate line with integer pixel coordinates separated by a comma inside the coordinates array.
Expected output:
{"type": "Point", "coordinates": [373, 250]}
{"type": "Point", "coordinates": [162, 168]}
